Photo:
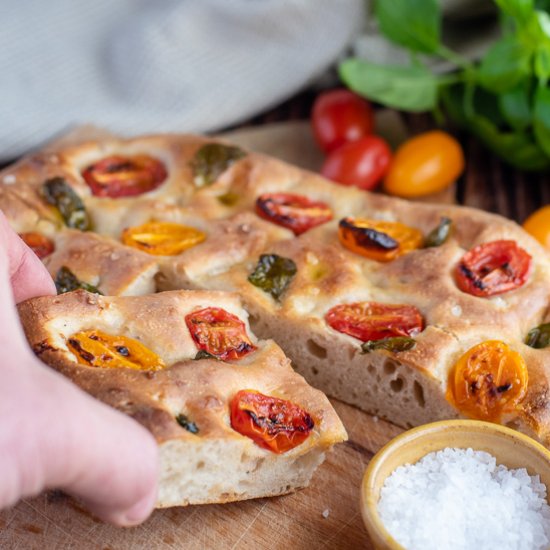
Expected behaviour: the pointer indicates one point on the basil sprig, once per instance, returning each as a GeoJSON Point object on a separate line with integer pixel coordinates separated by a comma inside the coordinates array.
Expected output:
{"type": "Point", "coordinates": [504, 99]}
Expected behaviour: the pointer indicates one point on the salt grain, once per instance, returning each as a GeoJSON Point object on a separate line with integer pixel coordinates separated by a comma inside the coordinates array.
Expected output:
{"type": "Point", "coordinates": [9, 179]}
{"type": "Point", "coordinates": [456, 310]}
{"type": "Point", "coordinates": [326, 513]}
{"type": "Point", "coordinates": [460, 499]}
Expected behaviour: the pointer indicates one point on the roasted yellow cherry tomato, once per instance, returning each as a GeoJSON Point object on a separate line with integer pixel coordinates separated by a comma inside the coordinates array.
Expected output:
{"type": "Point", "coordinates": [95, 348]}
{"type": "Point", "coordinates": [488, 381]}
{"type": "Point", "coordinates": [378, 240]}
{"type": "Point", "coordinates": [538, 225]}
{"type": "Point", "coordinates": [162, 238]}
{"type": "Point", "coordinates": [425, 164]}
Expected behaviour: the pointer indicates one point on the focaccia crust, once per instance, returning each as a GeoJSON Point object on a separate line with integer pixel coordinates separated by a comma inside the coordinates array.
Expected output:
{"type": "Point", "coordinates": [407, 387]}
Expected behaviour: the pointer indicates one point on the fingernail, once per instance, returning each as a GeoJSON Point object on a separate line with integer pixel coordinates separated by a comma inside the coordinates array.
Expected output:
{"type": "Point", "coordinates": [140, 511]}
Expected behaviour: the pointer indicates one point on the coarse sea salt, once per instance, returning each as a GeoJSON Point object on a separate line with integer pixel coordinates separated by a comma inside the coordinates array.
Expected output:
{"type": "Point", "coordinates": [458, 499]}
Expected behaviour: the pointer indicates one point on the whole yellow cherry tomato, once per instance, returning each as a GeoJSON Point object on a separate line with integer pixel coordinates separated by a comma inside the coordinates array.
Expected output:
{"type": "Point", "coordinates": [425, 164]}
{"type": "Point", "coordinates": [538, 225]}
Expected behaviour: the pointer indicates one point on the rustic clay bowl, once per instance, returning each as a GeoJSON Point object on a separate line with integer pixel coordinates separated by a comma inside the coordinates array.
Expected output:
{"type": "Point", "coordinates": [509, 447]}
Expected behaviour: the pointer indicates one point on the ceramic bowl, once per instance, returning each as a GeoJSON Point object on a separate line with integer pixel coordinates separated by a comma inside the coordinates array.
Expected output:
{"type": "Point", "coordinates": [511, 448]}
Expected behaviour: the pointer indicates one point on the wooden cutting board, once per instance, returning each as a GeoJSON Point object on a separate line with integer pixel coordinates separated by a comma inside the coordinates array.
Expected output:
{"type": "Point", "coordinates": [325, 515]}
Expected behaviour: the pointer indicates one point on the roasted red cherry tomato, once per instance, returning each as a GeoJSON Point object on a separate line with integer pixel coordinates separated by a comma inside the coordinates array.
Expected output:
{"type": "Point", "coordinates": [40, 245]}
{"type": "Point", "coordinates": [362, 163]}
{"type": "Point", "coordinates": [119, 176]}
{"type": "Point", "coordinates": [295, 212]}
{"type": "Point", "coordinates": [272, 423]}
{"type": "Point", "coordinates": [374, 321]}
{"type": "Point", "coordinates": [219, 333]}
{"type": "Point", "coordinates": [340, 116]}
{"type": "Point", "coordinates": [493, 268]}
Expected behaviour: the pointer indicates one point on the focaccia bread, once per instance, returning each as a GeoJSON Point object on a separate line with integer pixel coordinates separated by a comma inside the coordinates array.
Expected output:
{"type": "Point", "coordinates": [411, 311]}
{"type": "Point", "coordinates": [185, 400]}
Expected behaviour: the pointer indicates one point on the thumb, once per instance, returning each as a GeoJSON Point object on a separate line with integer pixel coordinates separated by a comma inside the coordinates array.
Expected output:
{"type": "Point", "coordinates": [96, 453]}
{"type": "Point", "coordinates": [28, 276]}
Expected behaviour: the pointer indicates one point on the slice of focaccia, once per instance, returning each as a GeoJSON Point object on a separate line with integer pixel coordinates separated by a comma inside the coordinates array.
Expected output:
{"type": "Point", "coordinates": [232, 419]}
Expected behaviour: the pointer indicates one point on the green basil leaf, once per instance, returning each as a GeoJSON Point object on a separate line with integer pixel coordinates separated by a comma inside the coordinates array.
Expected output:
{"type": "Point", "coordinates": [229, 199]}
{"type": "Point", "coordinates": [521, 10]}
{"type": "Point", "coordinates": [273, 274]}
{"type": "Point", "coordinates": [515, 106]}
{"type": "Point", "coordinates": [439, 235]}
{"type": "Point", "coordinates": [542, 63]}
{"type": "Point", "coordinates": [407, 88]}
{"type": "Point", "coordinates": [516, 148]}
{"type": "Point", "coordinates": [541, 118]}
{"type": "Point", "coordinates": [414, 24]}
{"type": "Point", "coordinates": [212, 160]}
{"type": "Point", "coordinates": [394, 344]}
{"type": "Point", "coordinates": [539, 337]}
{"type": "Point", "coordinates": [203, 354]}
{"type": "Point", "coordinates": [60, 194]}
{"type": "Point", "coordinates": [67, 281]}
{"type": "Point", "coordinates": [185, 423]}
{"type": "Point", "coordinates": [505, 64]}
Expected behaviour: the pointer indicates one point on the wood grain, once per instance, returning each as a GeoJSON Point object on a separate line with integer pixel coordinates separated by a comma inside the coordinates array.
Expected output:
{"type": "Point", "coordinates": [296, 521]}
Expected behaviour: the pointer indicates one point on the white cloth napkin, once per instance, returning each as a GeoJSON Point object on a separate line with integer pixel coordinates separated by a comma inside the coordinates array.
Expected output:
{"type": "Point", "coordinates": [135, 66]}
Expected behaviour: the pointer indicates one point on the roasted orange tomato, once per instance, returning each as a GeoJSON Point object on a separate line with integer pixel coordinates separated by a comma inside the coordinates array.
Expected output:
{"type": "Point", "coordinates": [488, 381]}
{"type": "Point", "coordinates": [40, 245]}
{"type": "Point", "coordinates": [538, 224]}
{"type": "Point", "coordinates": [272, 423]}
{"type": "Point", "coordinates": [425, 164]}
{"type": "Point", "coordinates": [378, 240]}
{"type": "Point", "coordinates": [162, 238]}
{"type": "Point", "coordinates": [124, 176]}
{"type": "Point", "coordinates": [98, 349]}
{"type": "Point", "coordinates": [219, 333]}
{"type": "Point", "coordinates": [493, 268]}
{"type": "Point", "coordinates": [374, 321]}
{"type": "Point", "coordinates": [295, 212]}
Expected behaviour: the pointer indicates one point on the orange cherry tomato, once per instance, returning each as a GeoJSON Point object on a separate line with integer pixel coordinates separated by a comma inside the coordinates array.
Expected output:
{"type": "Point", "coordinates": [272, 423]}
{"type": "Point", "coordinates": [374, 321]}
{"type": "Point", "coordinates": [488, 381]}
{"type": "Point", "coordinates": [295, 212]}
{"type": "Point", "coordinates": [493, 268]}
{"type": "Point", "coordinates": [340, 116]}
{"type": "Point", "coordinates": [378, 240]}
{"type": "Point", "coordinates": [425, 164]}
{"type": "Point", "coordinates": [40, 245]}
{"type": "Point", "coordinates": [162, 238]}
{"type": "Point", "coordinates": [95, 348]}
{"type": "Point", "coordinates": [120, 176]}
{"type": "Point", "coordinates": [219, 333]}
{"type": "Point", "coordinates": [362, 163]}
{"type": "Point", "coordinates": [538, 225]}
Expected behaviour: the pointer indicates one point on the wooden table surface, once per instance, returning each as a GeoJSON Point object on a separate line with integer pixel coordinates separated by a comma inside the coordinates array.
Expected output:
{"type": "Point", "coordinates": [325, 515]}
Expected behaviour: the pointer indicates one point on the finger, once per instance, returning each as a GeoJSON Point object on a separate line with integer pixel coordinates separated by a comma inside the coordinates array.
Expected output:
{"type": "Point", "coordinates": [96, 453]}
{"type": "Point", "coordinates": [28, 276]}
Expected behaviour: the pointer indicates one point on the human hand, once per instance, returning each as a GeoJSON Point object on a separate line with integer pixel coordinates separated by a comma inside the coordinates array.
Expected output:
{"type": "Point", "coordinates": [52, 434]}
